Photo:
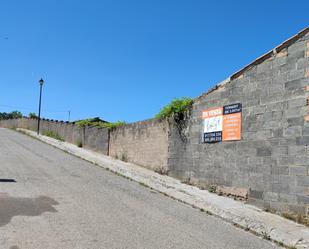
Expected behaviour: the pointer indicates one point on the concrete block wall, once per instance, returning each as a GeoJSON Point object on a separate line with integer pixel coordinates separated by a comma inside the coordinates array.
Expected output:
{"type": "Point", "coordinates": [270, 162]}
{"type": "Point", "coordinates": [144, 143]}
{"type": "Point", "coordinates": [91, 138]}
{"type": "Point", "coordinates": [272, 159]}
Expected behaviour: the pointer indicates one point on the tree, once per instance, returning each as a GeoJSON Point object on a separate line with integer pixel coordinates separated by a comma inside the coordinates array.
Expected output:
{"type": "Point", "coordinates": [3, 115]}
{"type": "Point", "coordinates": [16, 114]}
{"type": "Point", "coordinates": [11, 115]}
{"type": "Point", "coordinates": [32, 115]}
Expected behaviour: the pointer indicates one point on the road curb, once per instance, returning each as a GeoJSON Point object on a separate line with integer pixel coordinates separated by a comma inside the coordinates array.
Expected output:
{"type": "Point", "coordinates": [251, 218]}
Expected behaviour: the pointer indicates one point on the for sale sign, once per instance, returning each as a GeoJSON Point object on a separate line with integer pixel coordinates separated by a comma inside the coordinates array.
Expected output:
{"type": "Point", "coordinates": [222, 123]}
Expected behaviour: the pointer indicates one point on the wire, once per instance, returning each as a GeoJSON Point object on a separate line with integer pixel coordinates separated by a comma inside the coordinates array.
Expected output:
{"type": "Point", "coordinates": [31, 109]}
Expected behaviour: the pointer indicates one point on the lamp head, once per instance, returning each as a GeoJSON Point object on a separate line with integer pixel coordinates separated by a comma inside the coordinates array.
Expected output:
{"type": "Point", "coordinates": [41, 81]}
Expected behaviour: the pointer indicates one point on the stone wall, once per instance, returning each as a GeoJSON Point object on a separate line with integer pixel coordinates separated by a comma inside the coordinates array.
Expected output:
{"type": "Point", "coordinates": [90, 137]}
{"type": "Point", "coordinates": [271, 160]}
{"type": "Point", "coordinates": [144, 143]}
{"type": "Point", "coordinates": [269, 164]}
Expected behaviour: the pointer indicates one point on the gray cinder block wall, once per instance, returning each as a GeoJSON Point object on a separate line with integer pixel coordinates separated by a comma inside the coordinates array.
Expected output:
{"type": "Point", "coordinates": [144, 143]}
{"type": "Point", "coordinates": [92, 138]}
{"type": "Point", "coordinates": [271, 160]}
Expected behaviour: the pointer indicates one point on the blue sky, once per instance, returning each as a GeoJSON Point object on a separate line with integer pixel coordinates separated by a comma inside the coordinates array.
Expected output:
{"type": "Point", "coordinates": [125, 59]}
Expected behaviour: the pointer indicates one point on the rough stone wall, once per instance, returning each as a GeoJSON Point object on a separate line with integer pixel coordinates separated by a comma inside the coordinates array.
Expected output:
{"type": "Point", "coordinates": [144, 143]}
{"type": "Point", "coordinates": [271, 161]}
{"type": "Point", "coordinates": [272, 158]}
{"type": "Point", "coordinates": [91, 138]}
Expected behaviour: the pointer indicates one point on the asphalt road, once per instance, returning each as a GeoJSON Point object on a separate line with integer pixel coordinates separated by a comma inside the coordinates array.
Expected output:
{"type": "Point", "coordinates": [49, 199]}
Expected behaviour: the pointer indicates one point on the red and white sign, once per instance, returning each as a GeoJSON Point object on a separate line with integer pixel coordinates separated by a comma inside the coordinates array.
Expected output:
{"type": "Point", "coordinates": [222, 123]}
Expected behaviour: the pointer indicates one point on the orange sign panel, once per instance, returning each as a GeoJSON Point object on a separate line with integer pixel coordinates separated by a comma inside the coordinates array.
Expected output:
{"type": "Point", "coordinates": [231, 127]}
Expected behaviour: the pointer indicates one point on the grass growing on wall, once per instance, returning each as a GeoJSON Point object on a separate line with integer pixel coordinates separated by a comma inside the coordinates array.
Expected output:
{"type": "Point", "coordinates": [176, 107]}
{"type": "Point", "coordinates": [53, 135]}
{"type": "Point", "coordinates": [114, 125]}
{"type": "Point", "coordinates": [92, 122]}
{"type": "Point", "coordinates": [178, 110]}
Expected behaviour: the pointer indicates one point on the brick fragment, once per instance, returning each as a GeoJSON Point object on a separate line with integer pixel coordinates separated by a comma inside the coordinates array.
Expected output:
{"type": "Point", "coordinates": [307, 118]}
{"type": "Point", "coordinates": [282, 53]}
{"type": "Point", "coordinates": [239, 77]}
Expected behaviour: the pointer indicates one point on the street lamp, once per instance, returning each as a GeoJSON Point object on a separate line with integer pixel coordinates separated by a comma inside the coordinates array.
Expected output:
{"type": "Point", "coordinates": [41, 82]}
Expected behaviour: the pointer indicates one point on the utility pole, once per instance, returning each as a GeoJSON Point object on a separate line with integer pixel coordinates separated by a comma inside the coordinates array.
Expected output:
{"type": "Point", "coordinates": [69, 115]}
{"type": "Point", "coordinates": [41, 82]}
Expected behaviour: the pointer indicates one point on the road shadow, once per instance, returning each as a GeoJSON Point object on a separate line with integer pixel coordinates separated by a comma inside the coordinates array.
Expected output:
{"type": "Point", "coordinates": [7, 180]}
{"type": "Point", "coordinates": [12, 206]}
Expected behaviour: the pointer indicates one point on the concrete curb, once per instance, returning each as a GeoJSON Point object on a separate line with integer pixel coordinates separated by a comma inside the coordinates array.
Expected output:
{"type": "Point", "coordinates": [251, 218]}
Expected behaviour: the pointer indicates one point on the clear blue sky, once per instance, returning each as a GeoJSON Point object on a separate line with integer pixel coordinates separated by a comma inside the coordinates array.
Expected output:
{"type": "Point", "coordinates": [125, 59]}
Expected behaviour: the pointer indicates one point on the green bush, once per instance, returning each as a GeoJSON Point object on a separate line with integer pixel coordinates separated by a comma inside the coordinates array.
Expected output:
{"type": "Point", "coordinates": [53, 135]}
{"type": "Point", "coordinates": [177, 106]}
{"type": "Point", "coordinates": [93, 122]}
{"type": "Point", "coordinates": [114, 125]}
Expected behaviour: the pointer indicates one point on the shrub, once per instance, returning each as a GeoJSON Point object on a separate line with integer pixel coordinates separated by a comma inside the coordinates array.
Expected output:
{"type": "Point", "coordinates": [177, 106]}
{"type": "Point", "coordinates": [91, 122]}
{"type": "Point", "coordinates": [114, 125]}
{"type": "Point", "coordinates": [94, 122]}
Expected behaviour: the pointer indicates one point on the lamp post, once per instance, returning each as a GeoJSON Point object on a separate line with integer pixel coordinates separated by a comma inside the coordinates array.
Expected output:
{"type": "Point", "coordinates": [41, 82]}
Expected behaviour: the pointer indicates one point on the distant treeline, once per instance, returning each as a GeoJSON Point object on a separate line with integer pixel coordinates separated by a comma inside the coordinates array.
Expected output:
{"type": "Point", "coordinates": [10, 115]}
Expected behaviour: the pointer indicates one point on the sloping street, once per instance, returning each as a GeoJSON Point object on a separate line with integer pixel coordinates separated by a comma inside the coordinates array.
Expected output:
{"type": "Point", "coordinates": [50, 199]}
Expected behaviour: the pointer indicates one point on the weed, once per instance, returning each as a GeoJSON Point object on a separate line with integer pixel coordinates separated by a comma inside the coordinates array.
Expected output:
{"type": "Point", "coordinates": [187, 180]}
{"type": "Point", "coordinates": [161, 170]}
{"type": "Point", "coordinates": [301, 219]}
{"type": "Point", "coordinates": [143, 184]}
{"type": "Point", "coordinates": [212, 189]}
{"type": "Point", "coordinates": [265, 235]}
{"type": "Point", "coordinates": [124, 157]}
{"type": "Point", "coordinates": [112, 126]}
{"type": "Point", "coordinates": [79, 143]}
{"type": "Point", "coordinates": [53, 134]}
{"type": "Point", "coordinates": [177, 106]}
